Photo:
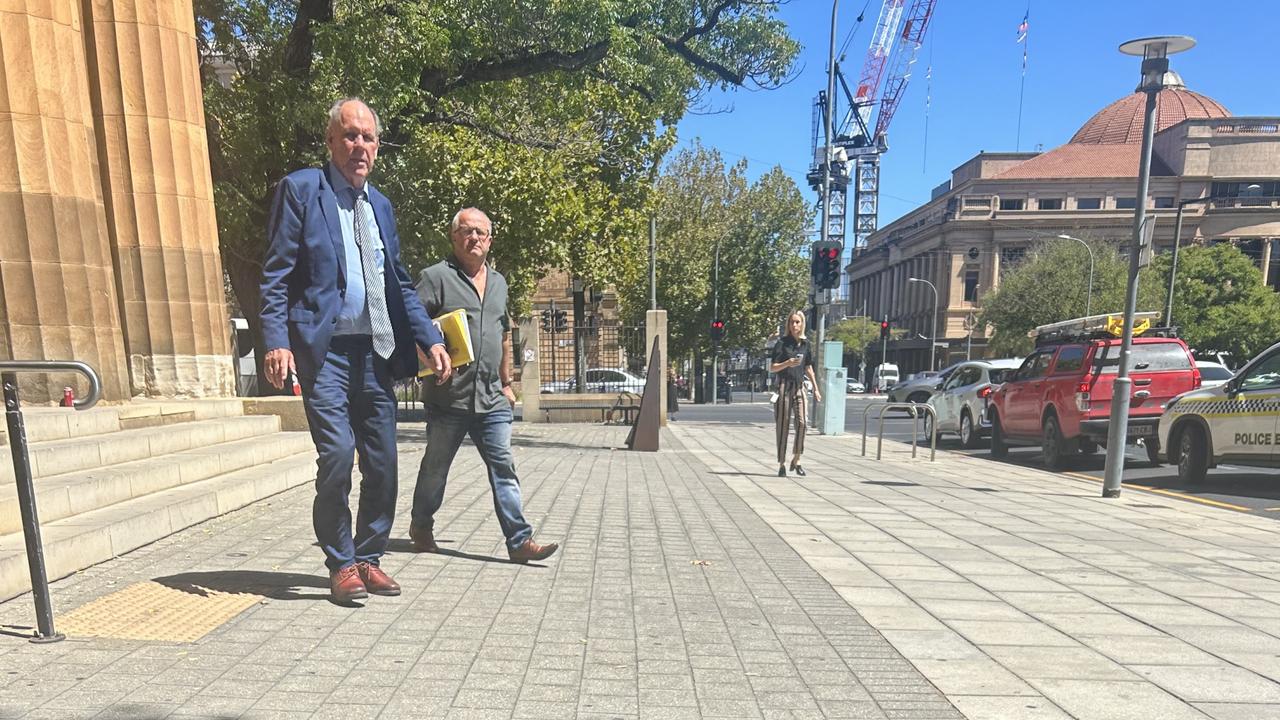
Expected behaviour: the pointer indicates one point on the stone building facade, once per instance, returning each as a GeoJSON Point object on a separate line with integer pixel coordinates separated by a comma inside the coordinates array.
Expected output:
{"type": "Point", "coordinates": [110, 249]}
{"type": "Point", "coordinates": [997, 206]}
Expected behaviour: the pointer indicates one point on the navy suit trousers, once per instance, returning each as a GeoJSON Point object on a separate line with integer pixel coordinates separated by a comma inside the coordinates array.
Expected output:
{"type": "Point", "coordinates": [351, 407]}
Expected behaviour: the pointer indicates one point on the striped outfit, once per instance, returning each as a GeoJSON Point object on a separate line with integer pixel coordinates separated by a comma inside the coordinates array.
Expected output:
{"type": "Point", "coordinates": [791, 401]}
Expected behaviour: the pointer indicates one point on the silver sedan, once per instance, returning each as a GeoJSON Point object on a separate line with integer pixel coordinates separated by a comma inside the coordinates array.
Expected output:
{"type": "Point", "coordinates": [961, 402]}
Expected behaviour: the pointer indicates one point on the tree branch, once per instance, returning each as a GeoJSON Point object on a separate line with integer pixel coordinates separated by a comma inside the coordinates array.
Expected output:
{"type": "Point", "coordinates": [440, 81]}
{"type": "Point", "coordinates": [440, 118]}
{"type": "Point", "coordinates": [693, 58]}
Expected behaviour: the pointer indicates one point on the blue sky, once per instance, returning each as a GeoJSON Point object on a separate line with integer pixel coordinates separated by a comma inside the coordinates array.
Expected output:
{"type": "Point", "coordinates": [1074, 70]}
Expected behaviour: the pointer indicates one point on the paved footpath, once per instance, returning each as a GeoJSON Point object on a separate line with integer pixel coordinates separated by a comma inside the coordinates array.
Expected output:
{"type": "Point", "coordinates": [671, 598]}
{"type": "Point", "coordinates": [1024, 594]}
{"type": "Point", "coordinates": [692, 583]}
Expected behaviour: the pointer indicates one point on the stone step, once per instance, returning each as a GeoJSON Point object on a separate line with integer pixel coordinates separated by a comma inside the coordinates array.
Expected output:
{"type": "Point", "coordinates": [56, 423]}
{"type": "Point", "coordinates": [75, 543]}
{"type": "Point", "coordinates": [56, 457]}
{"type": "Point", "coordinates": [62, 496]}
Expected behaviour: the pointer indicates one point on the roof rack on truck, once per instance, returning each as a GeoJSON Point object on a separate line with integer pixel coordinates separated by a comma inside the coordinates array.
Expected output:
{"type": "Point", "coordinates": [1096, 327]}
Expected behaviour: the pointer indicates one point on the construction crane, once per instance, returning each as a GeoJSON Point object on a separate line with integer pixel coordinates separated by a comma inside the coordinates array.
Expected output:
{"type": "Point", "coordinates": [899, 33]}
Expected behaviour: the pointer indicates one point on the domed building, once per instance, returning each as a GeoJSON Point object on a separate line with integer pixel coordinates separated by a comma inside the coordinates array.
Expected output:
{"type": "Point", "coordinates": [1224, 169]}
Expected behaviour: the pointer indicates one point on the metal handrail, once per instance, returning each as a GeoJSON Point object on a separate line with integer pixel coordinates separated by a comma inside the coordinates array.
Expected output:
{"type": "Point", "coordinates": [46, 366]}
{"type": "Point", "coordinates": [9, 370]}
{"type": "Point", "coordinates": [910, 407]}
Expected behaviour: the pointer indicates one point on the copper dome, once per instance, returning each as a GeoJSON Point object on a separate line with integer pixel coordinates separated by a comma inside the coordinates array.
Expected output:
{"type": "Point", "coordinates": [1121, 121]}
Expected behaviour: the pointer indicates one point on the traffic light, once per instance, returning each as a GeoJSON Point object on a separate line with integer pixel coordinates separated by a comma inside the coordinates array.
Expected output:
{"type": "Point", "coordinates": [717, 330]}
{"type": "Point", "coordinates": [546, 321]}
{"type": "Point", "coordinates": [824, 264]}
{"type": "Point", "coordinates": [884, 330]}
{"type": "Point", "coordinates": [561, 321]}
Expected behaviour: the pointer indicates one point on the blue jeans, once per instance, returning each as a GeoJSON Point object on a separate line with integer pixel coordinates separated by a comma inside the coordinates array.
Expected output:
{"type": "Point", "coordinates": [351, 406]}
{"type": "Point", "coordinates": [491, 432]}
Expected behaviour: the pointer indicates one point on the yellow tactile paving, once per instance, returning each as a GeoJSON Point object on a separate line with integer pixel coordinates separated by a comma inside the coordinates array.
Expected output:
{"type": "Point", "coordinates": [154, 611]}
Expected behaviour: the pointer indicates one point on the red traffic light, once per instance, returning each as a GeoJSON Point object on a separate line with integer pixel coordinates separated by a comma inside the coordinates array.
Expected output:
{"type": "Point", "coordinates": [717, 324]}
{"type": "Point", "coordinates": [884, 324]}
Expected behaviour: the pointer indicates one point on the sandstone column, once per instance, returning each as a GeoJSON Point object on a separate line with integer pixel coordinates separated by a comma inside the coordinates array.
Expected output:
{"type": "Point", "coordinates": [158, 194]}
{"type": "Point", "coordinates": [57, 290]}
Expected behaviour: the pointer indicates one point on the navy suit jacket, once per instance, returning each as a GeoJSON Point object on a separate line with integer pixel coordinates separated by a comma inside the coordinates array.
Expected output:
{"type": "Point", "coordinates": [304, 276]}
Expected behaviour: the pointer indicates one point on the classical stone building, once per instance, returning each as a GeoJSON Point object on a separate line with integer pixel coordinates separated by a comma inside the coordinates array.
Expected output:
{"type": "Point", "coordinates": [998, 205]}
{"type": "Point", "coordinates": [110, 249]}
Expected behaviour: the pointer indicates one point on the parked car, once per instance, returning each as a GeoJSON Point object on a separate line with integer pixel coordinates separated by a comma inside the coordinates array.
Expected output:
{"type": "Point", "coordinates": [961, 403]}
{"type": "Point", "coordinates": [1060, 397]}
{"type": "Point", "coordinates": [920, 386]}
{"type": "Point", "coordinates": [1213, 374]}
{"type": "Point", "coordinates": [853, 386]}
{"type": "Point", "coordinates": [1236, 422]}
{"type": "Point", "coordinates": [599, 380]}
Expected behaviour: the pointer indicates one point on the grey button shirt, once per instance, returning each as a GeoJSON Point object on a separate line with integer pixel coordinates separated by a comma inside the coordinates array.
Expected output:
{"type": "Point", "coordinates": [476, 387]}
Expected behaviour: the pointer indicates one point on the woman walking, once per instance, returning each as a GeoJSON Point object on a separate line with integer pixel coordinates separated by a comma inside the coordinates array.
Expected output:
{"type": "Point", "coordinates": [792, 361]}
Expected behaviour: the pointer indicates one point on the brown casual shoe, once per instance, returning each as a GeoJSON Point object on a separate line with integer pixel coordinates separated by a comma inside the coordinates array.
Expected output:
{"type": "Point", "coordinates": [531, 550]}
{"type": "Point", "coordinates": [377, 581]}
{"type": "Point", "coordinates": [345, 585]}
{"type": "Point", "coordinates": [424, 541]}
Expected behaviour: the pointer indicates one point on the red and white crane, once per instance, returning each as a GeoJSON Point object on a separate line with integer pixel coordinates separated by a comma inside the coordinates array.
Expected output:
{"type": "Point", "coordinates": [899, 33]}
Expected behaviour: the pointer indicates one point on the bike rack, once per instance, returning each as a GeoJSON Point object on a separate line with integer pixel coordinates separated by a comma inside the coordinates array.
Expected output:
{"type": "Point", "coordinates": [9, 370]}
{"type": "Point", "coordinates": [912, 408]}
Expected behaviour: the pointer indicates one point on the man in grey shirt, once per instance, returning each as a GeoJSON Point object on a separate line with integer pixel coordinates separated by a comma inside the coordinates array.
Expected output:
{"type": "Point", "coordinates": [477, 400]}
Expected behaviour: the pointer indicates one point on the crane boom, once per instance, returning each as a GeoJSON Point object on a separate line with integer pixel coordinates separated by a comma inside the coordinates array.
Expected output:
{"type": "Point", "coordinates": [877, 56]}
{"type": "Point", "coordinates": [913, 30]}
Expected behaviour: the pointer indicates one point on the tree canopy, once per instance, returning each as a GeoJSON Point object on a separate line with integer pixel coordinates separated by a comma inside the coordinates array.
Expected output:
{"type": "Point", "coordinates": [759, 228]}
{"type": "Point", "coordinates": [553, 117]}
{"type": "Point", "coordinates": [1220, 302]}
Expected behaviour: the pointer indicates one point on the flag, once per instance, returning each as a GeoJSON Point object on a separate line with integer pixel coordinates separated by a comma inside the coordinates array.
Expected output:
{"type": "Point", "coordinates": [1022, 28]}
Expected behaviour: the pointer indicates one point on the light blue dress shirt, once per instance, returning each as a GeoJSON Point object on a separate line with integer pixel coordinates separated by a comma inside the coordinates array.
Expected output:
{"type": "Point", "coordinates": [354, 316]}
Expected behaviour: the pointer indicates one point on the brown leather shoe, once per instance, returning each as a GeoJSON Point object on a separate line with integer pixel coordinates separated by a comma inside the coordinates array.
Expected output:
{"type": "Point", "coordinates": [377, 581]}
{"type": "Point", "coordinates": [531, 550]}
{"type": "Point", "coordinates": [345, 585]}
{"type": "Point", "coordinates": [424, 541]}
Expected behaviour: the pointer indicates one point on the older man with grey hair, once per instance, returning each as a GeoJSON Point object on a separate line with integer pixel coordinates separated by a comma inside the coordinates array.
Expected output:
{"type": "Point", "coordinates": [477, 401]}
{"type": "Point", "coordinates": [340, 312]}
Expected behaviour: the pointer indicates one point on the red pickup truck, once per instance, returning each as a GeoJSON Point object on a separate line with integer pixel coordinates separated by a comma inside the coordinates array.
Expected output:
{"type": "Point", "coordinates": [1060, 398]}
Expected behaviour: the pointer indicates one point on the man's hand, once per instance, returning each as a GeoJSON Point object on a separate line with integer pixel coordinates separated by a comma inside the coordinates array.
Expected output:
{"type": "Point", "coordinates": [441, 363]}
{"type": "Point", "coordinates": [817, 394]}
{"type": "Point", "coordinates": [278, 364]}
{"type": "Point", "coordinates": [509, 394]}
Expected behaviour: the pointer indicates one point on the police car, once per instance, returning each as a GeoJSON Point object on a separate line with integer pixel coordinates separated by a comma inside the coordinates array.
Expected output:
{"type": "Point", "coordinates": [1237, 422]}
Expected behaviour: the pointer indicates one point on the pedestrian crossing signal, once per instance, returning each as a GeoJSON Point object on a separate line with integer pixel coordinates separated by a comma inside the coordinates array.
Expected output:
{"type": "Point", "coordinates": [824, 264]}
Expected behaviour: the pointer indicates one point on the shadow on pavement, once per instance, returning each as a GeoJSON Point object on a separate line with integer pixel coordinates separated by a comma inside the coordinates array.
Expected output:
{"type": "Point", "coordinates": [277, 586]}
{"type": "Point", "coordinates": [402, 545]}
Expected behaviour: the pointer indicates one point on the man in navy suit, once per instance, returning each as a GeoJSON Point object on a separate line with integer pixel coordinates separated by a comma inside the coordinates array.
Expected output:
{"type": "Point", "coordinates": [339, 310]}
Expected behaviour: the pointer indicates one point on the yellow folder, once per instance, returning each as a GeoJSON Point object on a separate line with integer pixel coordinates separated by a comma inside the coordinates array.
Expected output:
{"type": "Point", "coordinates": [457, 340]}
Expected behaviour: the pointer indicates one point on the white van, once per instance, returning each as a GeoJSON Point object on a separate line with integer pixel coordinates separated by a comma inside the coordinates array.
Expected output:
{"type": "Point", "coordinates": [884, 376]}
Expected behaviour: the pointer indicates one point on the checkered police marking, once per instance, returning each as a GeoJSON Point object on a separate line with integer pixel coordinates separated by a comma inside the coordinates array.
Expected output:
{"type": "Point", "coordinates": [1222, 407]}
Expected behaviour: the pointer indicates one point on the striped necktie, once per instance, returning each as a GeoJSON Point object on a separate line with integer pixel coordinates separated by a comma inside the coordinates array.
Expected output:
{"type": "Point", "coordinates": [375, 292]}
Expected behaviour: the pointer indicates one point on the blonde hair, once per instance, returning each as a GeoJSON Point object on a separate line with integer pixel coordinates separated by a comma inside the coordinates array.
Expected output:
{"type": "Point", "coordinates": [803, 323]}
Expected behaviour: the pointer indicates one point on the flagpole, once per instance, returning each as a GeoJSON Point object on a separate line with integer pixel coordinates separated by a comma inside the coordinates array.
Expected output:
{"type": "Point", "coordinates": [928, 100]}
{"type": "Point", "coordinates": [1022, 85]}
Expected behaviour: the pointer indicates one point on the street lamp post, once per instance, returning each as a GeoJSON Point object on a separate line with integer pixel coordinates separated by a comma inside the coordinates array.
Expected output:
{"type": "Point", "coordinates": [1177, 241]}
{"type": "Point", "coordinates": [715, 315]}
{"type": "Point", "coordinates": [1088, 302]}
{"type": "Point", "coordinates": [1155, 53]}
{"type": "Point", "coordinates": [933, 341]}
